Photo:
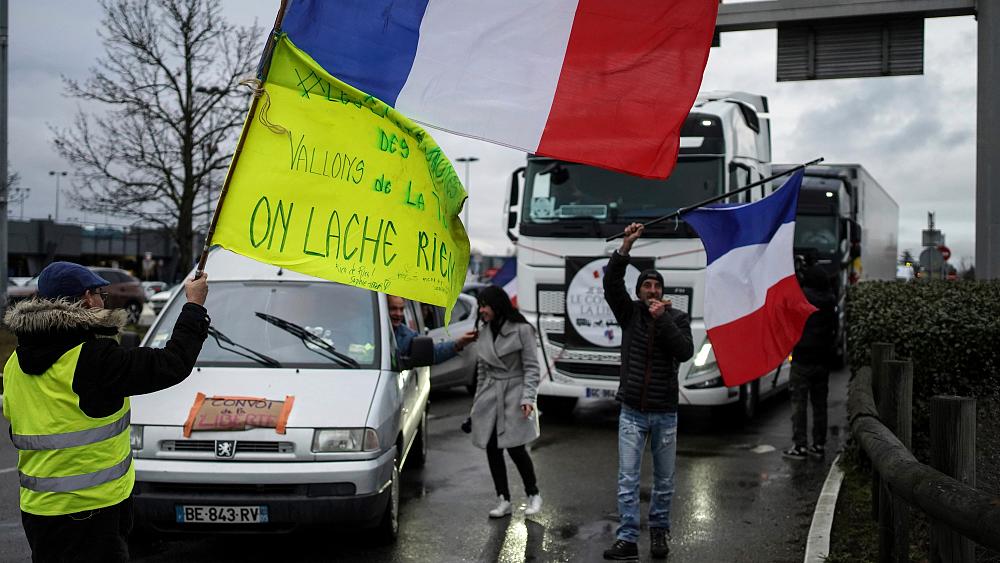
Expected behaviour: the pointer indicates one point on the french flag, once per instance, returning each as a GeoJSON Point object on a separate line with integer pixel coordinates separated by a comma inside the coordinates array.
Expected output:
{"type": "Point", "coordinates": [589, 81]}
{"type": "Point", "coordinates": [506, 278]}
{"type": "Point", "coordinates": [754, 308]}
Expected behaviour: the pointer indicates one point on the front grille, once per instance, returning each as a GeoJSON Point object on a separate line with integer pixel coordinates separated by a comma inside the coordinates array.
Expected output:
{"type": "Point", "coordinates": [247, 446]}
{"type": "Point", "coordinates": [588, 370]}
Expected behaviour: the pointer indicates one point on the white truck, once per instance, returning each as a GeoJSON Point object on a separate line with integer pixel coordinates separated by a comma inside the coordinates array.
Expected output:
{"type": "Point", "coordinates": [560, 216]}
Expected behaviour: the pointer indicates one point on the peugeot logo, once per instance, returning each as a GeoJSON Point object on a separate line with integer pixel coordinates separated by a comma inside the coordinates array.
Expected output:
{"type": "Point", "coordinates": [225, 448]}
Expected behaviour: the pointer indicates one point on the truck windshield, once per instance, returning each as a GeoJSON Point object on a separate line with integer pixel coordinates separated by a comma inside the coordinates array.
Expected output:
{"type": "Point", "coordinates": [558, 192]}
{"type": "Point", "coordinates": [343, 316]}
{"type": "Point", "coordinates": [817, 232]}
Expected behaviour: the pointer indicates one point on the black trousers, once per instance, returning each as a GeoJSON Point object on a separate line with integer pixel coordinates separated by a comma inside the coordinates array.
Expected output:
{"type": "Point", "coordinates": [809, 384]}
{"type": "Point", "coordinates": [96, 536]}
{"type": "Point", "coordinates": [498, 469]}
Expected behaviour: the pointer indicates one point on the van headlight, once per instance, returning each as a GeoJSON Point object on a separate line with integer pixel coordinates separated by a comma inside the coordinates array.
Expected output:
{"type": "Point", "coordinates": [135, 437]}
{"type": "Point", "coordinates": [704, 361]}
{"type": "Point", "coordinates": [345, 440]}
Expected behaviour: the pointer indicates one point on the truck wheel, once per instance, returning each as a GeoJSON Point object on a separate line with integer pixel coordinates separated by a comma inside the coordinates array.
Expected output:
{"type": "Point", "coordinates": [388, 528]}
{"type": "Point", "coordinates": [745, 408]}
{"type": "Point", "coordinates": [418, 451]}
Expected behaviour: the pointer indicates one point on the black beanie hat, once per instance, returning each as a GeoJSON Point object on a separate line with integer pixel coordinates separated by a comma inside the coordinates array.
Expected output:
{"type": "Point", "coordinates": [645, 275]}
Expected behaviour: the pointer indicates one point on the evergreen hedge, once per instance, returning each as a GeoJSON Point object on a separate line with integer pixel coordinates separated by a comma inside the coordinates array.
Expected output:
{"type": "Point", "coordinates": [951, 332]}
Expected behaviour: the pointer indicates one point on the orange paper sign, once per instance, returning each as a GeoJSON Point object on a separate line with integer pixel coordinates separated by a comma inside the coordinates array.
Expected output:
{"type": "Point", "coordinates": [237, 413]}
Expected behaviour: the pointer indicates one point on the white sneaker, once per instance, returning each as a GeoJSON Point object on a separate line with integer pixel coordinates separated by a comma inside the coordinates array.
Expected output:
{"type": "Point", "coordinates": [534, 505]}
{"type": "Point", "coordinates": [502, 509]}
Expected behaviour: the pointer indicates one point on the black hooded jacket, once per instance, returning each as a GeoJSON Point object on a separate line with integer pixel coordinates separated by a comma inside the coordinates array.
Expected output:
{"type": "Point", "coordinates": [817, 343]}
{"type": "Point", "coordinates": [106, 373]}
{"type": "Point", "coordinates": [652, 349]}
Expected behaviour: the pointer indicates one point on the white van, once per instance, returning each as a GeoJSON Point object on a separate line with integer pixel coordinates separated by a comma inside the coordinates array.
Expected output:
{"type": "Point", "coordinates": [356, 418]}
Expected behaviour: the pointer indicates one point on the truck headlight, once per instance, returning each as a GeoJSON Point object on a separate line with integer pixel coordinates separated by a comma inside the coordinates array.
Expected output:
{"type": "Point", "coordinates": [707, 384]}
{"type": "Point", "coordinates": [135, 437]}
{"type": "Point", "coordinates": [345, 440]}
{"type": "Point", "coordinates": [704, 361]}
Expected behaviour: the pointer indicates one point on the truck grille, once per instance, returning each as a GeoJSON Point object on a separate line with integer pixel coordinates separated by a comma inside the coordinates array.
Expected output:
{"type": "Point", "coordinates": [574, 369]}
{"type": "Point", "coordinates": [246, 447]}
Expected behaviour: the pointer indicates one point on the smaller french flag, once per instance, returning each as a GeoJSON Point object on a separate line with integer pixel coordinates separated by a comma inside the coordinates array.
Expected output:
{"type": "Point", "coordinates": [754, 308]}
{"type": "Point", "coordinates": [506, 278]}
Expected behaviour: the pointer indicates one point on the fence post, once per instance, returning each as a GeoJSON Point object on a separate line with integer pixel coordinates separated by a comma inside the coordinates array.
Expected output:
{"type": "Point", "coordinates": [953, 452]}
{"type": "Point", "coordinates": [881, 352]}
{"type": "Point", "coordinates": [895, 409]}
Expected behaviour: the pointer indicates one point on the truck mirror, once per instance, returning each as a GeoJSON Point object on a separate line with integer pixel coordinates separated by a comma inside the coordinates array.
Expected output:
{"type": "Point", "coordinates": [515, 186]}
{"type": "Point", "coordinates": [421, 353]}
{"type": "Point", "coordinates": [855, 233]}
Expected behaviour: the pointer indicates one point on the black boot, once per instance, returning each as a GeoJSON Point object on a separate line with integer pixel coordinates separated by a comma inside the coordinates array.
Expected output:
{"type": "Point", "coordinates": [658, 547]}
{"type": "Point", "coordinates": [622, 550]}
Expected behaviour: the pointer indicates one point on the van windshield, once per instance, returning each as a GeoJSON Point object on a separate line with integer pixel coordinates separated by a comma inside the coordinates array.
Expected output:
{"type": "Point", "coordinates": [343, 316]}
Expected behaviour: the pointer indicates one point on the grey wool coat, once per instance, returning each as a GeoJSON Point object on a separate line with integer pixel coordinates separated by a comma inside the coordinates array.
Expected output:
{"type": "Point", "coordinates": [507, 378]}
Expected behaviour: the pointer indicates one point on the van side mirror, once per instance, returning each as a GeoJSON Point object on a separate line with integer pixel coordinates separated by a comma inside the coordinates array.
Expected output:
{"type": "Point", "coordinates": [421, 353]}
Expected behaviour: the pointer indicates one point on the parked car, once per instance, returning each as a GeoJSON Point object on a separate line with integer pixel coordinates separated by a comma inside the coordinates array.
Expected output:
{"type": "Point", "coordinates": [159, 300]}
{"type": "Point", "coordinates": [26, 291]}
{"type": "Point", "coordinates": [125, 291]}
{"type": "Point", "coordinates": [460, 370]}
{"type": "Point", "coordinates": [358, 416]}
{"type": "Point", "coordinates": [151, 288]}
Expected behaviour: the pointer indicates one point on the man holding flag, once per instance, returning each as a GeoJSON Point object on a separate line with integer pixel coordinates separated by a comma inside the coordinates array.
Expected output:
{"type": "Point", "coordinates": [656, 338]}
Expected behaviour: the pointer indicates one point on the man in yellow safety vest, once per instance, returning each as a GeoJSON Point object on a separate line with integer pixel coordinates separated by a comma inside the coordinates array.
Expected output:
{"type": "Point", "coordinates": [66, 395]}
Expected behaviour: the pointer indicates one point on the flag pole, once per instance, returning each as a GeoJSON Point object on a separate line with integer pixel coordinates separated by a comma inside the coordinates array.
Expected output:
{"type": "Point", "coordinates": [262, 74]}
{"type": "Point", "coordinates": [720, 197]}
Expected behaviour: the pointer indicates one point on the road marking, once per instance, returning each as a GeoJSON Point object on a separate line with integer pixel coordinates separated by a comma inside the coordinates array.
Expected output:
{"type": "Point", "coordinates": [818, 543]}
{"type": "Point", "coordinates": [8, 470]}
{"type": "Point", "coordinates": [763, 449]}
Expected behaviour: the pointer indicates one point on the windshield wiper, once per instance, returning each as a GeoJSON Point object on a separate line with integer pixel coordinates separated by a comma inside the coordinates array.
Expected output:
{"type": "Point", "coordinates": [253, 354]}
{"type": "Point", "coordinates": [309, 338]}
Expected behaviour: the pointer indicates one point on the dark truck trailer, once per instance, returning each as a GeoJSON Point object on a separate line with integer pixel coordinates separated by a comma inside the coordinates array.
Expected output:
{"type": "Point", "coordinates": [847, 224]}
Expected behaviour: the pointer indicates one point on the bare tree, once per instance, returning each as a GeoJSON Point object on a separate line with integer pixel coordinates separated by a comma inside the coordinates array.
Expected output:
{"type": "Point", "coordinates": [170, 110]}
{"type": "Point", "coordinates": [13, 180]}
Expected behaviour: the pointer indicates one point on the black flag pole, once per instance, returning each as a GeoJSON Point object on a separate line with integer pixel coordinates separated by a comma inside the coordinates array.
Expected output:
{"type": "Point", "coordinates": [720, 197]}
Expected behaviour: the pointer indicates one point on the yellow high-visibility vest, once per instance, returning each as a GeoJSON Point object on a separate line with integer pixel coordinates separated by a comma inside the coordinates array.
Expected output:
{"type": "Point", "coordinates": [67, 461]}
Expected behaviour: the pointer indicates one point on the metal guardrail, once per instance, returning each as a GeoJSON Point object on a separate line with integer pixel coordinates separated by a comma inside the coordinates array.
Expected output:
{"type": "Point", "coordinates": [954, 506]}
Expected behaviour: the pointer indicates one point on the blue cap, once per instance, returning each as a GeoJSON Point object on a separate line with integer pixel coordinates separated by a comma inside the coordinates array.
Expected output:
{"type": "Point", "coordinates": [66, 279]}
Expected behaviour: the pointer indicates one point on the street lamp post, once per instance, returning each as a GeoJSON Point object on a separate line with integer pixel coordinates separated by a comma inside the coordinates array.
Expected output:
{"type": "Point", "coordinates": [467, 160]}
{"type": "Point", "coordinates": [57, 174]}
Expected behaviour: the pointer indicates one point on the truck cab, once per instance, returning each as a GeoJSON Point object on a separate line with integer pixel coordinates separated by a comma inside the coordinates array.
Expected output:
{"type": "Point", "coordinates": [560, 215]}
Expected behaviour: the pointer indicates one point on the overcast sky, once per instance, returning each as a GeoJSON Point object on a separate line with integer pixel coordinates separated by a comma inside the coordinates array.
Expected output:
{"type": "Point", "coordinates": [915, 134]}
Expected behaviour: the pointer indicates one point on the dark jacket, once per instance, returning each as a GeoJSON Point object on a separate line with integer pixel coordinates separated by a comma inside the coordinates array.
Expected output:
{"type": "Point", "coordinates": [106, 373]}
{"type": "Point", "coordinates": [817, 343]}
{"type": "Point", "coordinates": [651, 349]}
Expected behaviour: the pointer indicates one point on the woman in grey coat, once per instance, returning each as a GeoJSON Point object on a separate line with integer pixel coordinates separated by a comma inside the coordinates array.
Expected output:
{"type": "Point", "coordinates": [504, 416]}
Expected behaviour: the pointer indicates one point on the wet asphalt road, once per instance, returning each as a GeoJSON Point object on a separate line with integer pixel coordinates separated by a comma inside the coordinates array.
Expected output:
{"type": "Point", "coordinates": [737, 499]}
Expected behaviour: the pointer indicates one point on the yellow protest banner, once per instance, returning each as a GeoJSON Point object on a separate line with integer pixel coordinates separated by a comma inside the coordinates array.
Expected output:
{"type": "Point", "coordinates": [333, 183]}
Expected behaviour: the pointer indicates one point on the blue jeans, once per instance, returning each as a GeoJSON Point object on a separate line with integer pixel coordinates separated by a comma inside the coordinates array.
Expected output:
{"type": "Point", "coordinates": [633, 428]}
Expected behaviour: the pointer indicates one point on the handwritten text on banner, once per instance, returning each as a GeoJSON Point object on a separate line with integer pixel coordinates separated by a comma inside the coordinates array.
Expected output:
{"type": "Point", "coordinates": [334, 183]}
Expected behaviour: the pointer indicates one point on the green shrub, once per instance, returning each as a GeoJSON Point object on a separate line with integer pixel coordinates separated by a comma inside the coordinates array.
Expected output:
{"type": "Point", "coordinates": [951, 332]}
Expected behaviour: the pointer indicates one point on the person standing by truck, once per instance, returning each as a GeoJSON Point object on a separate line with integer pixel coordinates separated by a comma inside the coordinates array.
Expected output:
{"type": "Point", "coordinates": [656, 338]}
{"type": "Point", "coordinates": [811, 358]}
{"type": "Point", "coordinates": [66, 394]}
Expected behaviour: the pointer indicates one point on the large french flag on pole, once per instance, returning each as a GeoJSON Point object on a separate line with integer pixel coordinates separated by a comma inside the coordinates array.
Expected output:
{"type": "Point", "coordinates": [754, 308]}
{"type": "Point", "coordinates": [589, 81]}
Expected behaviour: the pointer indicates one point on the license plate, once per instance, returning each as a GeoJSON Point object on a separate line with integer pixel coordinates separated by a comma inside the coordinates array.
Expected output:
{"type": "Point", "coordinates": [221, 514]}
{"type": "Point", "coordinates": [600, 393]}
